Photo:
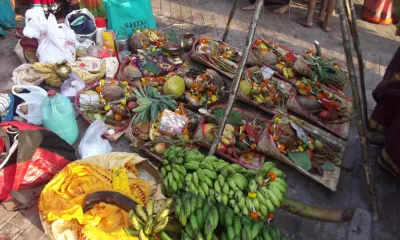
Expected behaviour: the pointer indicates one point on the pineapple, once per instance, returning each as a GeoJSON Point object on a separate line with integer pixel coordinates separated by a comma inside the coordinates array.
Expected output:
{"type": "Point", "coordinates": [326, 72]}
{"type": "Point", "coordinates": [150, 104]}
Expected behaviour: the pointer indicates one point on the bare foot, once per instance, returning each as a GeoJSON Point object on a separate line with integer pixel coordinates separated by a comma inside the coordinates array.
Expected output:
{"type": "Point", "coordinates": [283, 9]}
{"type": "Point", "coordinates": [325, 27]}
{"type": "Point", "coordinates": [321, 17]}
{"type": "Point", "coordinates": [251, 7]}
{"type": "Point", "coordinates": [303, 21]}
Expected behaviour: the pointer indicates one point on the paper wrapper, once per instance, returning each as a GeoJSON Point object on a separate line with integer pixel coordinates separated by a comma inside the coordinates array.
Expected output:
{"type": "Point", "coordinates": [172, 124]}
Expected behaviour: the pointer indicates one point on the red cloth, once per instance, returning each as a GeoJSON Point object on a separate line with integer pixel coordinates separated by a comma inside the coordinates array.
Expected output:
{"type": "Point", "coordinates": [377, 11]}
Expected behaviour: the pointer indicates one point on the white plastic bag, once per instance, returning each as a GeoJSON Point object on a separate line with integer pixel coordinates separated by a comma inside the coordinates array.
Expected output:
{"type": "Point", "coordinates": [72, 86]}
{"type": "Point", "coordinates": [33, 115]}
{"type": "Point", "coordinates": [33, 100]}
{"type": "Point", "coordinates": [92, 144]}
{"type": "Point", "coordinates": [35, 24]}
{"type": "Point", "coordinates": [36, 94]}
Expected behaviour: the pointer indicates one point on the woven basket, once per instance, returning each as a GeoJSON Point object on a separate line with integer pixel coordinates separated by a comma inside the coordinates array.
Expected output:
{"type": "Point", "coordinates": [119, 131]}
{"type": "Point", "coordinates": [341, 130]}
{"type": "Point", "coordinates": [202, 58]}
{"type": "Point", "coordinates": [251, 102]}
{"type": "Point", "coordinates": [266, 145]}
{"type": "Point", "coordinates": [257, 162]}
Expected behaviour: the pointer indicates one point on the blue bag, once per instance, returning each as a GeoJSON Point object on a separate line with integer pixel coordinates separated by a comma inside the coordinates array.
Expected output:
{"type": "Point", "coordinates": [7, 15]}
{"type": "Point", "coordinates": [129, 14]}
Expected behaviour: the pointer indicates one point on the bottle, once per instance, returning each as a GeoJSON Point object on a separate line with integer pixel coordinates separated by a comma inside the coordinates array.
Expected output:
{"type": "Point", "coordinates": [101, 27]}
{"type": "Point", "coordinates": [58, 116]}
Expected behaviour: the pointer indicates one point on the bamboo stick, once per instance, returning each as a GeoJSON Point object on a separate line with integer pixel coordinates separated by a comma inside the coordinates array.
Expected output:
{"type": "Point", "coordinates": [352, 20]}
{"type": "Point", "coordinates": [357, 107]}
{"type": "Point", "coordinates": [228, 25]}
{"type": "Point", "coordinates": [317, 213]}
{"type": "Point", "coordinates": [236, 80]}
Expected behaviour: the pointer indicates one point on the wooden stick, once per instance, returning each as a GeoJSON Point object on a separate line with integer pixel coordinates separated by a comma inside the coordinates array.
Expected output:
{"type": "Point", "coordinates": [357, 106]}
{"type": "Point", "coordinates": [236, 80]}
{"type": "Point", "coordinates": [352, 20]}
{"type": "Point", "coordinates": [228, 25]}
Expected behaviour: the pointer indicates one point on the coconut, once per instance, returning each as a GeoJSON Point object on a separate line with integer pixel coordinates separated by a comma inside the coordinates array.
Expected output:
{"type": "Point", "coordinates": [132, 73]}
{"type": "Point", "coordinates": [112, 92]}
{"type": "Point", "coordinates": [245, 88]}
{"type": "Point", "coordinates": [174, 86]}
{"type": "Point", "coordinates": [138, 40]}
{"type": "Point", "coordinates": [266, 57]}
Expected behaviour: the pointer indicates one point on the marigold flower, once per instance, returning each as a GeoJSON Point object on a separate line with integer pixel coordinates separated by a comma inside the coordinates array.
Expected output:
{"type": "Point", "coordinates": [276, 138]}
{"type": "Point", "coordinates": [270, 216]}
{"type": "Point", "coordinates": [271, 176]}
{"type": "Point", "coordinates": [99, 89]}
{"type": "Point", "coordinates": [254, 215]}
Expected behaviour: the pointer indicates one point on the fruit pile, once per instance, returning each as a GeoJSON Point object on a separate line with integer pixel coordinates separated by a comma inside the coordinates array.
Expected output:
{"type": "Point", "coordinates": [219, 54]}
{"type": "Point", "coordinates": [108, 100]}
{"type": "Point", "coordinates": [147, 39]}
{"type": "Point", "coordinates": [266, 92]}
{"type": "Point", "coordinates": [248, 192]}
{"type": "Point", "coordinates": [145, 223]}
{"type": "Point", "coordinates": [321, 103]}
{"type": "Point", "coordinates": [307, 152]}
{"type": "Point", "coordinates": [201, 218]}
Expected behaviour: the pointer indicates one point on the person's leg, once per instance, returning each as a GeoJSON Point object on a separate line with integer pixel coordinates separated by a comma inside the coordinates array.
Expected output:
{"type": "Point", "coordinates": [329, 12]}
{"type": "Point", "coordinates": [250, 7]}
{"type": "Point", "coordinates": [307, 21]}
{"type": "Point", "coordinates": [322, 13]}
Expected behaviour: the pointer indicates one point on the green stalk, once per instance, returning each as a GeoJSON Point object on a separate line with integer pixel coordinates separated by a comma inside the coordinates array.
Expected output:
{"type": "Point", "coordinates": [317, 213]}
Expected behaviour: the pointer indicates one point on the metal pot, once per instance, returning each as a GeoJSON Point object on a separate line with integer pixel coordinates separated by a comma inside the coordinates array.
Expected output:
{"type": "Point", "coordinates": [188, 40]}
{"type": "Point", "coordinates": [62, 69]}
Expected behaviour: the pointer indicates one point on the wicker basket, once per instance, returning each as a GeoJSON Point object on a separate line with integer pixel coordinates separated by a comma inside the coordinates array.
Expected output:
{"type": "Point", "coordinates": [257, 161]}
{"type": "Point", "coordinates": [202, 58]}
{"type": "Point", "coordinates": [341, 130]}
{"type": "Point", "coordinates": [267, 146]}
{"type": "Point", "coordinates": [119, 130]}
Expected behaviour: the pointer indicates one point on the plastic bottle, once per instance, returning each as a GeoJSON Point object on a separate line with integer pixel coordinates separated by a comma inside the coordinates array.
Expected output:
{"type": "Point", "coordinates": [58, 116]}
{"type": "Point", "coordinates": [101, 27]}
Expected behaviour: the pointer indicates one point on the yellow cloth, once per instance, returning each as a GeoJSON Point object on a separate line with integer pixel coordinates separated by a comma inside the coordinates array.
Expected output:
{"type": "Point", "coordinates": [64, 195]}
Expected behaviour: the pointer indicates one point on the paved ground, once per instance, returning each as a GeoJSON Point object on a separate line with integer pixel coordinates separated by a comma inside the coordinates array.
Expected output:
{"type": "Point", "coordinates": [209, 17]}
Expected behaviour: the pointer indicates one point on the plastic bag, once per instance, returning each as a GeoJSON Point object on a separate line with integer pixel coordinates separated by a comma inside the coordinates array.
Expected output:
{"type": "Point", "coordinates": [92, 144]}
{"type": "Point", "coordinates": [72, 86]}
{"type": "Point", "coordinates": [33, 100]}
{"type": "Point", "coordinates": [56, 41]}
{"type": "Point", "coordinates": [87, 24]}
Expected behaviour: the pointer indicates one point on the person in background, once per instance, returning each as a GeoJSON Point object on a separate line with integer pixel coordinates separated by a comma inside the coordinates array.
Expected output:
{"type": "Point", "coordinates": [385, 119]}
{"type": "Point", "coordinates": [325, 16]}
{"type": "Point", "coordinates": [377, 11]}
{"type": "Point", "coordinates": [284, 6]}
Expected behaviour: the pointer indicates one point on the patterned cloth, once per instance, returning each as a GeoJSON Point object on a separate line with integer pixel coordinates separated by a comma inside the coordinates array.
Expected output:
{"type": "Point", "coordinates": [6, 107]}
{"type": "Point", "coordinates": [48, 6]}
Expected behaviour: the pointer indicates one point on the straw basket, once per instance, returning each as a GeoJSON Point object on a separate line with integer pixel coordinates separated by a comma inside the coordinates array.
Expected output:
{"type": "Point", "coordinates": [266, 145]}
{"type": "Point", "coordinates": [341, 130]}
{"type": "Point", "coordinates": [206, 60]}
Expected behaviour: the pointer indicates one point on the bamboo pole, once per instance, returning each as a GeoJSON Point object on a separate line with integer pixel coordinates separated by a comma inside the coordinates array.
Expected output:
{"type": "Point", "coordinates": [228, 25]}
{"type": "Point", "coordinates": [236, 80]}
{"type": "Point", "coordinates": [357, 107]}
{"type": "Point", "coordinates": [352, 20]}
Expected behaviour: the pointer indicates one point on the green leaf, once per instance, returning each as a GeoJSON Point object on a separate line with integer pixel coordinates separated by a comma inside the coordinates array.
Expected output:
{"type": "Point", "coordinates": [141, 108]}
{"type": "Point", "coordinates": [154, 110]}
{"type": "Point", "coordinates": [301, 159]}
{"type": "Point", "coordinates": [170, 103]}
{"type": "Point", "coordinates": [327, 166]}
{"type": "Point", "coordinates": [233, 117]}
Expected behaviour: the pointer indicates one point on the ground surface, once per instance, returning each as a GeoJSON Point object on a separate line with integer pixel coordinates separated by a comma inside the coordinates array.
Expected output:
{"type": "Point", "coordinates": [209, 17]}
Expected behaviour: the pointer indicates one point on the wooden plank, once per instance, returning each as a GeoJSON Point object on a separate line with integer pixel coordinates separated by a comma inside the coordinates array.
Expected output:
{"type": "Point", "coordinates": [31, 233]}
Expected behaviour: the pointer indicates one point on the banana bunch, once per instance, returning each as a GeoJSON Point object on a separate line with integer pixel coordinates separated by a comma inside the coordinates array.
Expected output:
{"type": "Point", "coordinates": [145, 223]}
{"type": "Point", "coordinates": [151, 34]}
{"type": "Point", "coordinates": [228, 137]}
{"type": "Point", "coordinates": [258, 98]}
{"type": "Point", "coordinates": [198, 217]}
{"type": "Point", "coordinates": [239, 227]}
{"type": "Point", "coordinates": [288, 73]}
{"type": "Point", "coordinates": [172, 170]}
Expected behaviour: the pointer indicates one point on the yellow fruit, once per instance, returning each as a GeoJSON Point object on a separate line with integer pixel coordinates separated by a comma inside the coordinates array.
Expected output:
{"type": "Point", "coordinates": [174, 86]}
{"type": "Point", "coordinates": [245, 88]}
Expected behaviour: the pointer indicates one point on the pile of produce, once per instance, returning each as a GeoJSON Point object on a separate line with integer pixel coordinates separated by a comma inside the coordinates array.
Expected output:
{"type": "Point", "coordinates": [322, 104]}
{"type": "Point", "coordinates": [147, 39]}
{"type": "Point", "coordinates": [204, 220]}
{"type": "Point", "coordinates": [247, 192]}
{"type": "Point", "coordinates": [240, 136]}
{"type": "Point", "coordinates": [217, 54]}
{"type": "Point", "coordinates": [108, 100]}
{"type": "Point", "coordinates": [267, 92]}
{"type": "Point", "coordinates": [301, 147]}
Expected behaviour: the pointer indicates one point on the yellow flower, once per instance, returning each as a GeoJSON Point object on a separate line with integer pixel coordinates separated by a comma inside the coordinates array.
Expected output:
{"type": "Point", "coordinates": [108, 107]}
{"type": "Point", "coordinates": [213, 98]}
{"type": "Point", "coordinates": [208, 102]}
{"type": "Point", "coordinates": [127, 95]}
{"type": "Point", "coordinates": [125, 83]}
{"type": "Point", "coordinates": [153, 49]}
{"type": "Point", "coordinates": [123, 101]}
{"type": "Point", "coordinates": [277, 120]}
{"type": "Point", "coordinates": [300, 148]}
{"type": "Point", "coordinates": [102, 82]}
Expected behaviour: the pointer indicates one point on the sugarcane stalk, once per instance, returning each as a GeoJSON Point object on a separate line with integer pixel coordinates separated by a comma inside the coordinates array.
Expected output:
{"type": "Point", "coordinates": [357, 107]}
{"type": "Point", "coordinates": [228, 25]}
{"type": "Point", "coordinates": [317, 213]}
{"type": "Point", "coordinates": [352, 20]}
{"type": "Point", "coordinates": [318, 48]}
{"type": "Point", "coordinates": [236, 80]}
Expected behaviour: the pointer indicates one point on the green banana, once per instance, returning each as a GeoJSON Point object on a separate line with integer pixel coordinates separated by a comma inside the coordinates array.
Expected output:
{"type": "Point", "coordinates": [201, 192]}
{"type": "Point", "coordinates": [193, 165]}
{"type": "Point", "coordinates": [163, 172]}
{"type": "Point", "coordinates": [200, 174]}
{"type": "Point", "coordinates": [240, 180]}
{"type": "Point", "coordinates": [232, 184]}
{"type": "Point", "coordinates": [206, 165]}
{"type": "Point", "coordinates": [263, 210]}
{"type": "Point", "coordinates": [217, 187]}
{"type": "Point", "coordinates": [141, 213]}
{"type": "Point", "coordinates": [205, 188]}
{"type": "Point", "coordinates": [274, 199]}
{"type": "Point", "coordinates": [266, 167]}
{"type": "Point", "coordinates": [188, 179]}
{"type": "Point", "coordinates": [200, 202]}
{"type": "Point", "coordinates": [278, 172]}
{"type": "Point", "coordinates": [208, 181]}
{"type": "Point", "coordinates": [148, 229]}
{"type": "Point", "coordinates": [136, 222]}
{"type": "Point", "coordinates": [199, 217]}
{"type": "Point", "coordinates": [211, 158]}
{"type": "Point", "coordinates": [230, 233]}
{"type": "Point", "coordinates": [237, 226]}
{"type": "Point", "coordinates": [210, 174]}
{"type": "Point", "coordinates": [225, 188]}
{"type": "Point", "coordinates": [270, 205]}
{"type": "Point", "coordinates": [276, 192]}
{"type": "Point", "coordinates": [193, 223]}
{"type": "Point", "coordinates": [195, 179]}
{"type": "Point", "coordinates": [224, 199]}
{"type": "Point", "coordinates": [221, 180]}
{"type": "Point", "coordinates": [255, 229]}
{"type": "Point", "coordinates": [189, 230]}
{"type": "Point", "coordinates": [229, 214]}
